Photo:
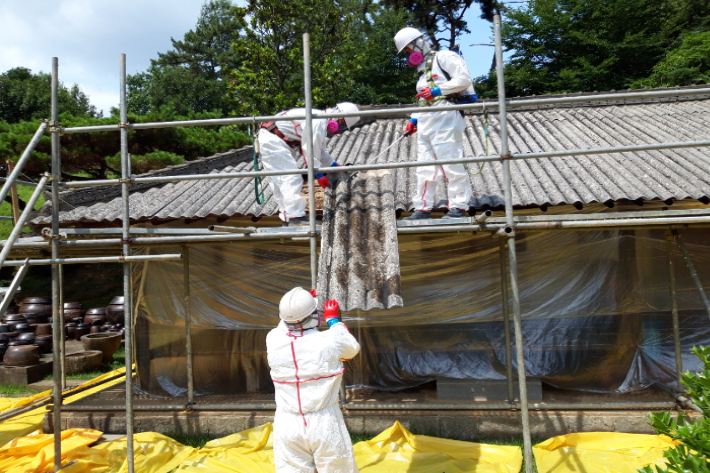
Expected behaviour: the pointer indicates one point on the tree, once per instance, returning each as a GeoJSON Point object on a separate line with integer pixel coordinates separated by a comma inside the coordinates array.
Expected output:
{"type": "Point", "coordinates": [270, 76]}
{"type": "Point", "coordinates": [693, 454]}
{"type": "Point", "coordinates": [585, 45]}
{"type": "Point", "coordinates": [381, 75]}
{"type": "Point", "coordinates": [443, 16]}
{"type": "Point", "coordinates": [686, 65]}
{"type": "Point", "coordinates": [27, 96]}
{"type": "Point", "coordinates": [191, 76]}
{"type": "Point", "coordinates": [96, 155]}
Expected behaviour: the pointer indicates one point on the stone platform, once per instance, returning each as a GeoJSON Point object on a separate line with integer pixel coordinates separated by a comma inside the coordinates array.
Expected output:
{"type": "Point", "coordinates": [105, 411]}
{"type": "Point", "coordinates": [25, 375]}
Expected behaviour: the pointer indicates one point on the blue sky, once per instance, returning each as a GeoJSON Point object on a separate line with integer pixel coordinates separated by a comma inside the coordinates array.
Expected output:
{"type": "Point", "coordinates": [88, 35]}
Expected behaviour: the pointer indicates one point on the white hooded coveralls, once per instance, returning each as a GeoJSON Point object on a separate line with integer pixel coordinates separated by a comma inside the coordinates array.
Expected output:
{"type": "Point", "coordinates": [309, 430]}
{"type": "Point", "coordinates": [440, 135]}
{"type": "Point", "coordinates": [277, 155]}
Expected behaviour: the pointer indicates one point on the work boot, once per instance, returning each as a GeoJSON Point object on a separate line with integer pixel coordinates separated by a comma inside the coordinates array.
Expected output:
{"type": "Point", "coordinates": [418, 215]}
{"type": "Point", "coordinates": [455, 213]}
{"type": "Point", "coordinates": [296, 221]}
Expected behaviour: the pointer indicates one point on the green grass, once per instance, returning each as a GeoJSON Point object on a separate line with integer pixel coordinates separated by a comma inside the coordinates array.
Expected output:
{"type": "Point", "coordinates": [24, 193]}
{"type": "Point", "coordinates": [17, 390]}
{"type": "Point", "coordinates": [119, 361]}
{"type": "Point", "coordinates": [190, 440]}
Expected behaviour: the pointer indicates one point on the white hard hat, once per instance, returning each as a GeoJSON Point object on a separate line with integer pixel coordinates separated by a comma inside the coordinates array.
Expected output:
{"type": "Point", "coordinates": [348, 107]}
{"type": "Point", "coordinates": [296, 305]}
{"type": "Point", "coordinates": [405, 36]}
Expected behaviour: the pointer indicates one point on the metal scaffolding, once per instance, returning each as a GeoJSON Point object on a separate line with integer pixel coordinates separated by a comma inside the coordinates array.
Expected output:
{"type": "Point", "coordinates": [503, 228]}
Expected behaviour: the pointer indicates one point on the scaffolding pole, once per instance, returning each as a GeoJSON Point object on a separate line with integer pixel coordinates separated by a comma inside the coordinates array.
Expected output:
{"type": "Point", "coordinates": [127, 290]}
{"type": "Point", "coordinates": [512, 256]}
{"type": "Point", "coordinates": [188, 327]}
{"type": "Point", "coordinates": [309, 157]}
{"type": "Point", "coordinates": [57, 325]}
{"type": "Point", "coordinates": [674, 308]}
{"type": "Point", "coordinates": [503, 249]}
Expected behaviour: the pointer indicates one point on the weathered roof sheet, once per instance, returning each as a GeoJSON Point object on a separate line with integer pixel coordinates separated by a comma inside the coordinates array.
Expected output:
{"type": "Point", "coordinates": [359, 261]}
{"type": "Point", "coordinates": [646, 175]}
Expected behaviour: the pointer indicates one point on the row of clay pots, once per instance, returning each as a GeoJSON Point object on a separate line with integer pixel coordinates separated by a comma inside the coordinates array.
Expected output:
{"type": "Point", "coordinates": [40, 308]}
{"type": "Point", "coordinates": [73, 330]}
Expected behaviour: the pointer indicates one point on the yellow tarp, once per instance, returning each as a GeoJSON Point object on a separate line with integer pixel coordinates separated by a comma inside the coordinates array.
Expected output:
{"type": "Point", "coordinates": [31, 421]}
{"type": "Point", "coordinates": [35, 453]}
{"type": "Point", "coordinates": [398, 450]}
{"type": "Point", "coordinates": [250, 451]}
{"type": "Point", "coordinates": [394, 450]}
{"type": "Point", "coordinates": [600, 452]}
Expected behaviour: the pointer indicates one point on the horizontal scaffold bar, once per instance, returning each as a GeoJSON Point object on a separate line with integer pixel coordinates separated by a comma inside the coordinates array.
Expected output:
{"type": "Point", "coordinates": [102, 259]}
{"type": "Point", "coordinates": [397, 165]}
{"type": "Point", "coordinates": [493, 105]}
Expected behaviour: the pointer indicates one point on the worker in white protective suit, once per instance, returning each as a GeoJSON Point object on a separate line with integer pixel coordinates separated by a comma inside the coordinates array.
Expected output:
{"type": "Point", "coordinates": [307, 367]}
{"type": "Point", "coordinates": [281, 146]}
{"type": "Point", "coordinates": [443, 80]}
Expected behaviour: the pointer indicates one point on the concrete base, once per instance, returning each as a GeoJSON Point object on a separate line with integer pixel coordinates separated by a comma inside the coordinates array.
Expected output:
{"type": "Point", "coordinates": [24, 375]}
{"type": "Point", "coordinates": [461, 425]}
{"type": "Point", "coordinates": [484, 389]}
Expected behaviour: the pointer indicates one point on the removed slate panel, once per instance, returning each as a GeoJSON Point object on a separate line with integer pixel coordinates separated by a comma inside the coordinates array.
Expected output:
{"type": "Point", "coordinates": [359, 261]}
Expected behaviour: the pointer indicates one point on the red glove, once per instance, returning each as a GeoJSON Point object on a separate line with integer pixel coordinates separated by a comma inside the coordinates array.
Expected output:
{"type": "Point", "coordinates": [323, 180]}
{"type": "Point", "coordinates": [410, 129]}
{"type": "Point", "coordinates": [331, 312]}
{"type": "Point", "coordinates": [313, 292]}
{"type": "Point", "coordinates": [427, 93]}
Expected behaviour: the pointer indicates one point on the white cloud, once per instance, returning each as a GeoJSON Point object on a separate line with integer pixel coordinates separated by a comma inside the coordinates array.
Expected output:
{"type": "Point", "coordinates": [88, 35]}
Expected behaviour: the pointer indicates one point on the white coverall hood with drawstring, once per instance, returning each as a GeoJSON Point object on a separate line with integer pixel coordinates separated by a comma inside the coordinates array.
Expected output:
{"type": "Point", "coordinates": [276, 155]}
{"type": "Point", "coordinates": [306, 368]}
{"type": "Point", "coordinates": [440, 135]}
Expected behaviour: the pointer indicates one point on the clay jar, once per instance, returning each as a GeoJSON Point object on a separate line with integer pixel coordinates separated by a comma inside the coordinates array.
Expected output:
{"type": "Point", "coordinates": [23, 328]}
{"type": "Point", "coordinates": [44, 342]}
{"type": "Point", "coordinates": [115, 310]}
{"type": "Point", "coordinates": [13, 309]}
{"type": "Point", "coordinates": [26, 355]}
{"type": "Point", "coordinates": [81, 330]}
{"type": "Point", "coordinates": [73, 310]}
{"type": "Point", "coordinates": [70, 329]}
{"type": "Point", "coordinates": [26, 336]}
{"type": "Point", "coordinates": [43, 329]}
{"type": "Point", "coordinates": [39, 306]}
{"type": "Point", "coordinates": [14, 319]}
{"type": "Point", "coordinates": [93, 318]}
{"type": "Point", "coordinates": [34, 319]}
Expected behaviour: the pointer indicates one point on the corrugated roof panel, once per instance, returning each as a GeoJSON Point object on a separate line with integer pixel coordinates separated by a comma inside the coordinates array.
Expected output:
{"type": "Point", "coordinates": [647, 175]}
{"type": "Point", "coordinates": [359, 261]}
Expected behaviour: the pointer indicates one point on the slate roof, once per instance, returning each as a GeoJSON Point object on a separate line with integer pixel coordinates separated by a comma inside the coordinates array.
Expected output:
{"type": "Point", "coordinates": [647, 175]}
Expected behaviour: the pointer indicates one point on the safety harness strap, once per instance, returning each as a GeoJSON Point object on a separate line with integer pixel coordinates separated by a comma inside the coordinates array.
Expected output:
{"type": "Point", "coordinates": [271, 127]}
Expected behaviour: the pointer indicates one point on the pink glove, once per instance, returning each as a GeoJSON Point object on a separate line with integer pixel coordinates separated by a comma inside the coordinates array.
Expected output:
{"type": "Point", "coordinates": [313, 292]}
{"type": "Point", "coordinates": [331, 312]}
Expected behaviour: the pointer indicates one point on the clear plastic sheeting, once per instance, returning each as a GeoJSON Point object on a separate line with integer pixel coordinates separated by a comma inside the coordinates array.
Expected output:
{"type": "Point", "coordinates": [601, 452]}
{"type": "Point", "coordinates": [595, 308]}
